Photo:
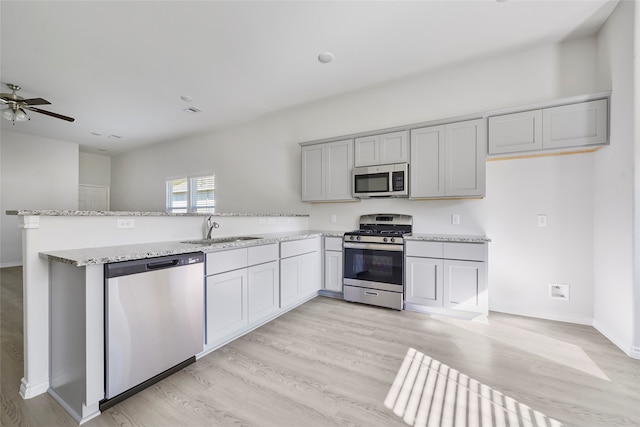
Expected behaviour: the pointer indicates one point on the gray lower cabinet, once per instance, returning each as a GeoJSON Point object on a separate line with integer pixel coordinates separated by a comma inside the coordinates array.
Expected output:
{"type": "Point", "coordinates": [448, 161]}
{"type": "Point", "coordinates": [226, 302]}
{"type": "Point", "coordinates": [263, 291]}
{"type": "Point", "coordinates": [243, 290]}
{"type": "Point", "coordinates": [424, 281]}
{"type": "Point", "coordinates": [446, 277]}
{"type": "Point", "coordinates": [299, 270]}
{"type": "Point", "coordinates": [298, 278]}
{"type": "Point", "coordinates": [333, 268]}
{"type": "Point", "coordinates": [563, 126]}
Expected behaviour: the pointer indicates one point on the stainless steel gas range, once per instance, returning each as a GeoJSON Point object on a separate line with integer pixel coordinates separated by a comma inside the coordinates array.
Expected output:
{"type": "Point", "coordinates": [374, 260]}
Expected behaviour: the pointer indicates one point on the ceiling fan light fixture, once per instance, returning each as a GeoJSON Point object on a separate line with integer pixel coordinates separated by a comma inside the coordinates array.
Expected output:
{"type": "Point", "coordinates": [8, 114]}
{"type": "Point", "coordinates": [15, 115]}
{"type": "Point", "coordinates": [21, 115]}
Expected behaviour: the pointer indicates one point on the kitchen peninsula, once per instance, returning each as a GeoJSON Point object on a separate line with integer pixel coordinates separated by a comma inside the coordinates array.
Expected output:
{"type": "Point", "coordinates": [53, 231]}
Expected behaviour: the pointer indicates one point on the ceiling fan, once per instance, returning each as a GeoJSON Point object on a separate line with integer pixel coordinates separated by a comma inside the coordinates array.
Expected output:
{"type": "Point", "coordinates": [17, 106]}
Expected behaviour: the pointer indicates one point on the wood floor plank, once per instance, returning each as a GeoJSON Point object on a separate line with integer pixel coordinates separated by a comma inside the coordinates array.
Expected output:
{"type": "Point", "coordinates": [329, 362]}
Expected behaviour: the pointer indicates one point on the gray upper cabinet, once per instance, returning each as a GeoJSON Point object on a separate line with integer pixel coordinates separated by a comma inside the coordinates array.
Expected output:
{"type": "Point", "coordinates": [426, 170]}
{"type": "Point", "coordinates": [448, 160]}
{"type": "Point", "coordinates": [516, 132]}
{"type": "Point", "coordinates": [465, 158]}
{"type": "Point", "coordinates": [575, 125]}
{"type": "Point", "coordinates": [313, 173]}
{"type": "Point", "coordinates": [382, 149]}
{"type": "Point", "coordinates": [565, 126]}
{"type": "Point", "coordinates": [326, 171]}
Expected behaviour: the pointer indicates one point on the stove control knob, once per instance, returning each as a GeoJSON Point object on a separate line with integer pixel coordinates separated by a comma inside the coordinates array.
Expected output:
{"type": "Point", "coordinates": [384, 240]}
{"type": "Point", "coordinates": [351, 237]}
{"type": "Point", "coordinates": [358, 238]}
{"type": "Point", "coordinates": [393, 239]}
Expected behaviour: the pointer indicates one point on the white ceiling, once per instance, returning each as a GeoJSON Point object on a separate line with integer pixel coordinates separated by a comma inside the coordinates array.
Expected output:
{"type": "Point", "coordinates": [120, 67]}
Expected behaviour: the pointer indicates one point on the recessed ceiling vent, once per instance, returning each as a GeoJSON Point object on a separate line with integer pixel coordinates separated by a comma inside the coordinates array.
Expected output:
{"type": "Point", "coordinates": [192, 110]}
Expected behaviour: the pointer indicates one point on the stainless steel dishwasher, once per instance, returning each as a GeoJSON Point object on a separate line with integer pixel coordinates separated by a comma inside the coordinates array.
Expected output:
{"type": "Point", "coordinates": [153, 321]}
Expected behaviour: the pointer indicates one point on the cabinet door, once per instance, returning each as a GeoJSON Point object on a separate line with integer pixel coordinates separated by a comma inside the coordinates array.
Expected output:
{"type": "Point", "coordinates": [263, 290]}
{"type": "Point", "coordinates": [427, 162]}
{"type": "Point", "coordinates": [310, 274]}
{"type": "Point", "coordinates": [576, 124]}
{"type": "Point", "coordinates": [512, 133]}
{"type": "Point", "coordinates": [424, 281]}
{"type": "Point", "coordinates": [333, 271]}
{"type": "Point", "coordinates": [465, 286]}
{"type": "Point", "coordinates": [226, 308]}
{"type": "Point", "coordinates": [339, 167]}
{"type": "Point", "coordinates": [289, 280]}
{"type": "Point", "coordinates": [313, 173]}
{"type": "Point", "coordinates": [465, 156]}
{"type": "Point", "coordinates": [367, 150]}
{"type": "Point", "coordinates": [394, 147]}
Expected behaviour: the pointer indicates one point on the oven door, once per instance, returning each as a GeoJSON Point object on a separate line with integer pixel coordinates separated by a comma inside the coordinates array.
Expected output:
{"type": "Point", "coordinates": [371, 265]}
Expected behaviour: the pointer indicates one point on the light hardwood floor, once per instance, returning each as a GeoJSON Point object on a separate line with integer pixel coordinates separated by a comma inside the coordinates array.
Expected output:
{"type": "Point", "coordinates": [330, 362]}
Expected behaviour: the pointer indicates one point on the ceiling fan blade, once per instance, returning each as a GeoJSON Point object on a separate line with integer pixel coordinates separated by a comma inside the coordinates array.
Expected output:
{"type": "Point", "coordinates": [49, 113]}
{"type": "Point", "coordinates": [35, 101]}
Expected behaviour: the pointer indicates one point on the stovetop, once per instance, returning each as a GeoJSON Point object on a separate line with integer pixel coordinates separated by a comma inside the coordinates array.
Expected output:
{"type": "Point", "coordinates": [381, 228]}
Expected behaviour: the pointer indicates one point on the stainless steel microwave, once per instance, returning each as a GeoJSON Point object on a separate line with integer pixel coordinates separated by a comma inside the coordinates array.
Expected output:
{"type": "Point", "coordinates": [381, 181]}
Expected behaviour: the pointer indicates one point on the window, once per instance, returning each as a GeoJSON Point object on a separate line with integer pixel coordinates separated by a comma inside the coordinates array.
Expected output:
{"type": "Point", "coordinates": [193, 194]}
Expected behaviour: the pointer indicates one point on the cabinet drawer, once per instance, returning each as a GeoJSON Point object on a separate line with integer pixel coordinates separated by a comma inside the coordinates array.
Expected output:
{"type": "Point", "coordinates": [466, 251]}
{"type": "Point", "coordinates": [333, 243]}
{"type": "Point", "coordinates": [218, 262]}
{"type": "Point", "coordinates": [298, 247]}
{"type": "Point", "coordinates": [263, 253]}
{"type": "Point", "coordinates": [424, 249]}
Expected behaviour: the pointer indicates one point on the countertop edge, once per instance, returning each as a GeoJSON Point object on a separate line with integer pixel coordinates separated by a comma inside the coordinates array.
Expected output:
{"type": "Point", "coordinates": [83, 257]}
{"type": "Point", "coordinates": [451, 238]}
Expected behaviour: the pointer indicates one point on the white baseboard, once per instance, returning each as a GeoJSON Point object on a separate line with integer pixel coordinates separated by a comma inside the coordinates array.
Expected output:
{"type": "Point", "coordinates": [10, 264]}
{"type": "Point", "coordinates": [628, 349]}
{"type": "Point", "coordinates": [580, 320]}
{"type": "Point", "coordinates": [27, 391]}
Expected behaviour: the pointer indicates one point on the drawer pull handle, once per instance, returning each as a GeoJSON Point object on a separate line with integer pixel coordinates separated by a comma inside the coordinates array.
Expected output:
{"type": "Point", "coordinates": [373, 294]}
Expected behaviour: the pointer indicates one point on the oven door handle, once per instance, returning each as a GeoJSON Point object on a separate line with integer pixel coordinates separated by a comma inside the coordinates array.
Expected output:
{"type": "Point", "coordinates": [374, 246]}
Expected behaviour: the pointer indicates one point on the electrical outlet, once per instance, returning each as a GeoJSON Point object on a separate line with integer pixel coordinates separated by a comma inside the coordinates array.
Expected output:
{"type": "Point", "coordinates": [125, 223]}
{"type": "Point", "coordinates": [334, 218]}
{"type": "Point", "coordinates": [557, 291]}
{"type": "Point", "coordinates": [542, 220]}
{"type": "Point", "coordinates": [455, 219]}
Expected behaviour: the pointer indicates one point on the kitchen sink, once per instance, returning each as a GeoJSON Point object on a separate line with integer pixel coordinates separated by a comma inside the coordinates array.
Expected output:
{"type": "Point", "coordinates": [218, 240]}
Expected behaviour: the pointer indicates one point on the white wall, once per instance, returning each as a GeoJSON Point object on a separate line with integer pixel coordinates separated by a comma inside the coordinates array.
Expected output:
{"type": "Point", "coordinates": [94, 169]}
{"type": "Point", "coordinates": [36, 173]}
{"type": "Point", "coordinates": [614, 195]}
{"type": "Point", "coordinates": [257, 167]}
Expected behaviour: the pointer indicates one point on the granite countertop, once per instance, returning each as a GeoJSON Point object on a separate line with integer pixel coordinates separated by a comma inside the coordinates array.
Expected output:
{"type": "Point", "coordinates": [108, 254]}
{"type": "Point", "coordinates": [26, 212]}
{"type": "Point", "coordinates": [451, 238]}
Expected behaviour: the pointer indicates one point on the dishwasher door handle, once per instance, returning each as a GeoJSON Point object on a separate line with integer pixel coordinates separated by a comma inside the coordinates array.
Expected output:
{"type": "Point", "coordinates": [161, 264]}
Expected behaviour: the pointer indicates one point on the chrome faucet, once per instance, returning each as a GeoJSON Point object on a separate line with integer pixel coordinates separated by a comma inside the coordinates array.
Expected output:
{"type": "Point", "coordinates": [210, 226]}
